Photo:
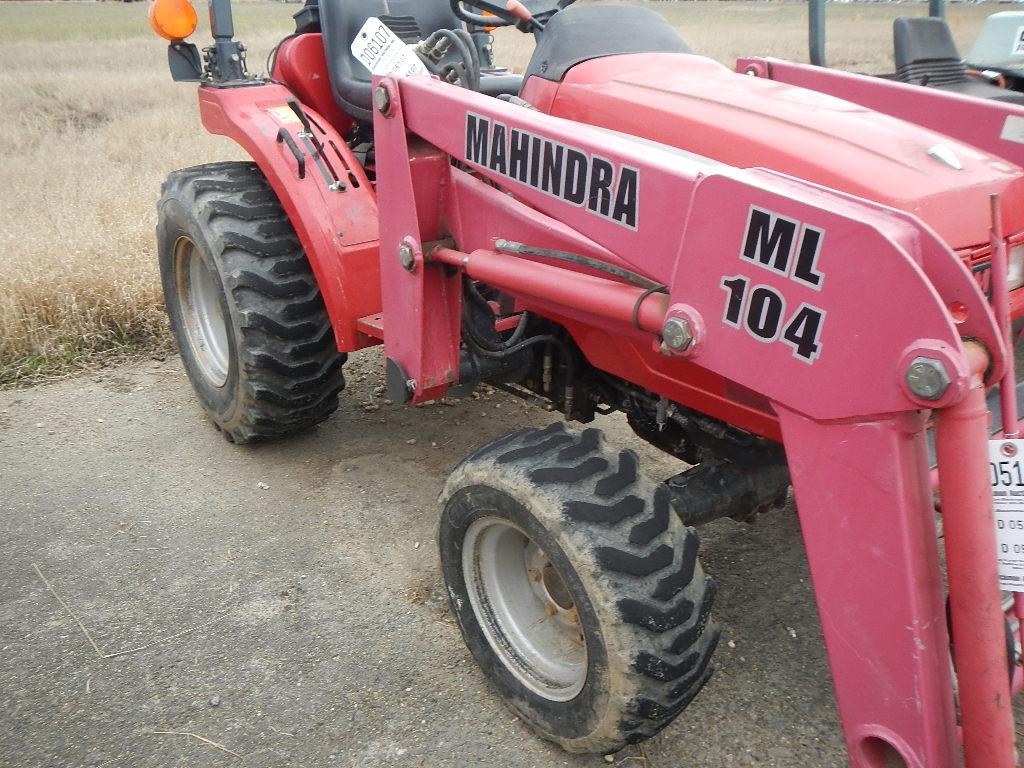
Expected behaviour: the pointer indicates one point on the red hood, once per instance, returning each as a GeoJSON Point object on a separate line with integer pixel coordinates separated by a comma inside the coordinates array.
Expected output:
{"type": "Point", "coordinates": [698, 105]}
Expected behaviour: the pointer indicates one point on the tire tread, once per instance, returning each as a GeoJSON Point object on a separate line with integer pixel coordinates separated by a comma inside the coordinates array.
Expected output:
{"type": "Point", "coordinates": [643, 554]}
{"type": "Point", "coordinates": [290, 373]}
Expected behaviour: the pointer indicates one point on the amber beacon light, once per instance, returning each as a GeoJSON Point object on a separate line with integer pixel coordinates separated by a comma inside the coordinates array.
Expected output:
{"type": "Point", "coordinates": [172, 19]}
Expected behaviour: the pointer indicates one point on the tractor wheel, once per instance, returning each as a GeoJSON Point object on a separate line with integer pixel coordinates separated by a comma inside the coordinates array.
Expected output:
{"type": "Point", "coordinates": [576, 588]}
{"type": "Point", "coordinates": [244, 306]}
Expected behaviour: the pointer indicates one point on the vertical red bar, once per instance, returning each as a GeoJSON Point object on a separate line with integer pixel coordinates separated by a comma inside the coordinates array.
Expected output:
{"type": "Point", "coordinates": [961, 442]}
{"type": "Point", "coordinates": [1001, 307]}
{"type": "Point", "coordinates": [1008, 384]}
{"type": "Point", "coordinates": [421, 302]}
{"type": "Point", "coordinates": [866, 512]}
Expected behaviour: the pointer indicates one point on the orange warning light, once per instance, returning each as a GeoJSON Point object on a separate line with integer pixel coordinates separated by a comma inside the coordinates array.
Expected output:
{"type": "Point", "coordinates": [172, 19]}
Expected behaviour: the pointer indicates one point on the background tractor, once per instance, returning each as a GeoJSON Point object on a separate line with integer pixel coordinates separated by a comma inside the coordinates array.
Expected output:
{"type": "Point", "coordinates": [771, 284]}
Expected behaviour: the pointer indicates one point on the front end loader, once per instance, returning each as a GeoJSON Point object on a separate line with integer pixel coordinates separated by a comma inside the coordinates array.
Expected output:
{"type": "Point", "coordinates": [773, 286]}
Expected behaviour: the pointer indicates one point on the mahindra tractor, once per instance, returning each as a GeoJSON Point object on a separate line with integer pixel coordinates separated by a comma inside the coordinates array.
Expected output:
{"type": "Point", "coordinates": [773, 285]}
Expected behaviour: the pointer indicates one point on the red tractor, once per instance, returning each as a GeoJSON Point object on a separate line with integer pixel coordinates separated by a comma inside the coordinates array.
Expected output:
{"type": "Point", "coordinates": [774, 286]}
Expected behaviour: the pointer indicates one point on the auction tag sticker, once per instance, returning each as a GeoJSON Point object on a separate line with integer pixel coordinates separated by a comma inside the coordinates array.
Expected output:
{"type": "Point", "coordinates": [1018, 43]}
{"type": "Point", "coordinates": [1006, 474]}
{"type": "Point", "coordinates": [382, 52]}
{"type": "Point", "coordinates": [1013, 129]}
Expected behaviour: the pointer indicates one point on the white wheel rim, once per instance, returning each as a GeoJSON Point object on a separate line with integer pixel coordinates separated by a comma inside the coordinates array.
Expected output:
{"type": "Point", "coordinates": [524, 608]}
{"type": "Point", "coordinates": [206, 328]}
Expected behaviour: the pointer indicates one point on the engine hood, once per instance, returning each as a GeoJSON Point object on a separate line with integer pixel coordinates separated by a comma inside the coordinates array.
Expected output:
{"type": "Point", "coordinates": [698, 105]}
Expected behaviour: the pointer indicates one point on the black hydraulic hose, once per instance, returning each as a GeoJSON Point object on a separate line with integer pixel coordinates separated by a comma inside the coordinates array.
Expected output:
{"type": "Point", "coordinates": [425, 51]}
{"type": "Point", "coordinates": [507, 246]}
{"type": "Point", "coordinates": [474, 52]}
{"type": "Point", "coordinates": [272, 56]}
{"type": "Point", "coordinates": [477, 298]}
{"type": "Point", "coordinates": [475, 295]}
{"type": "Point", "coordinates": [481, 341]}
{"type": "Point", "coordinates": [532, 342]}
{"type": "Point", "coordinates": [512, 346]}
{"type": "Point", "coordinates": [467, 53]}
{"type": "Point", "coordinates": [432, 67]}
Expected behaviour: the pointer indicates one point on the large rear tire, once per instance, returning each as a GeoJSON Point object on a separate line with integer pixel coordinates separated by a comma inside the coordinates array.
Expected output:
{"type": "Point", "coordinates": [244, 306]}
{"type": "Point", "coordinates": [576, 588]}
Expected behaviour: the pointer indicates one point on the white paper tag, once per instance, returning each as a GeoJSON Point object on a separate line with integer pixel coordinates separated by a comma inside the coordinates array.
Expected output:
{"type": "Point", "coordinates": [383, 53]}
{"type": "Point", "coordinates": [1018, 42]}
{"type": "Point", "coordinates": [1013, 129]}
{"type": "Point", "coordinates": [1006, 473]}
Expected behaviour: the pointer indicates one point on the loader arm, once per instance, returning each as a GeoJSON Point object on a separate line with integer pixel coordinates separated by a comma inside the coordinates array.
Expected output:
{"type": "Point", "coordinates": [994, 126]}
{"type": "Point", "coordinates": [808, 312]}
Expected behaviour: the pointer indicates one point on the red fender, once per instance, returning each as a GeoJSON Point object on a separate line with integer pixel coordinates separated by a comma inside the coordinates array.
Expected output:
{"type": "Point", "coordinates": [327, 197]}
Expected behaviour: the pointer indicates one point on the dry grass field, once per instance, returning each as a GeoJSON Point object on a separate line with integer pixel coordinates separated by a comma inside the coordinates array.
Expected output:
{"type": "Point", "coordinates": [96, 124]}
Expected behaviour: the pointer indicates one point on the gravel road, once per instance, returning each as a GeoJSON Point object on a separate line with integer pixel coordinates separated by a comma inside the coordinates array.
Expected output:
{"type": "Point", "coordinates": [281, 605]}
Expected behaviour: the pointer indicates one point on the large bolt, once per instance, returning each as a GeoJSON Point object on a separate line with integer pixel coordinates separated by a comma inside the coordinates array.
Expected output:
{"type": "Point", "coordinates": [677, 334]}
{"type": "Point", "coordinates": [382, 99]}
{"type": "Point", "coordinates": [407, 257]}
{"type": "Point", "coordinates": [927, 378]}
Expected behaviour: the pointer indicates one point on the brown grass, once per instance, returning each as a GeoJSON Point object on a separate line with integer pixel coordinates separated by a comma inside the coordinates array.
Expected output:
{"type": "Point", "coordinates": [94, 124]}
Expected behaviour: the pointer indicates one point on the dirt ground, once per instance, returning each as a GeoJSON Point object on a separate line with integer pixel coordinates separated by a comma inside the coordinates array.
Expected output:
{"type": "Point", "coordinates": [310, 570]}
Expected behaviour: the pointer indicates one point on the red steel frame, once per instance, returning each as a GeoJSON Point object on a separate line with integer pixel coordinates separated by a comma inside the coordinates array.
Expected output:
{"type": "Point", "coordinates": [854, 433]}
{"type": "Point", "coordinates": [994, 126]}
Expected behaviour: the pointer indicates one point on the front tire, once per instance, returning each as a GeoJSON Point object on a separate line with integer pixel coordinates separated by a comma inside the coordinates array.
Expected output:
{"type": "Point", "coordinates": [548, 537]}
{"type": "Point", "coordinates": [244, 306]}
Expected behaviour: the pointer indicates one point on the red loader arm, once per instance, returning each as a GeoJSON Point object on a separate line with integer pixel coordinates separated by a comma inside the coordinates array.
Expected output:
{"type": "Point", "coordinates": [994, 126]}
{"type": "Point", "coordinates": [805, 310]}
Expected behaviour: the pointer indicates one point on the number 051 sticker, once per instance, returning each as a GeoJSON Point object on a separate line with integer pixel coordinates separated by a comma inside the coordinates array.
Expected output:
{"type": "Point", "coordinates": [1006, 473]}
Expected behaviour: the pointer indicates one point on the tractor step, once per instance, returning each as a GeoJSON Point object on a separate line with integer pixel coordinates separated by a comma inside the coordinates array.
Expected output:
{"type": "Point", "coordinates": [372, 326]}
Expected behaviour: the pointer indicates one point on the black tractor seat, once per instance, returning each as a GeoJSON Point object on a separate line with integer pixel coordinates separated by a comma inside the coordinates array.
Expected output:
{"type": "Point", "coordinates": [410, 20]}
{"type": "Point", "coordinates": [585, 32]}
{"type": "Point", "coordinates": [926, 55]}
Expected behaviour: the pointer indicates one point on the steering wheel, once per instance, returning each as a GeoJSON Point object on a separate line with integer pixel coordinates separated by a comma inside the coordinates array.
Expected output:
{"type": "Point", "coordinates": [528, 15]}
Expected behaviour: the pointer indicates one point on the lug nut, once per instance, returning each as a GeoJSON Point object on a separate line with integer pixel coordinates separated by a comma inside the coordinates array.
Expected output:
{"type": "Point", "coordinates": [677, 334]}
{"type": "Point", "coordinates": [927, 378]}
